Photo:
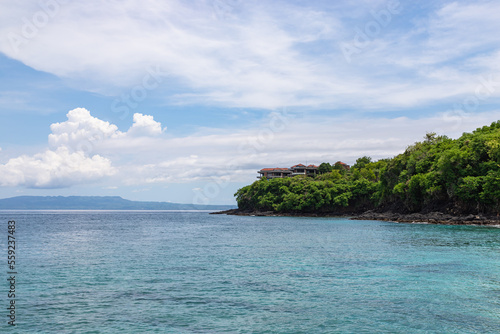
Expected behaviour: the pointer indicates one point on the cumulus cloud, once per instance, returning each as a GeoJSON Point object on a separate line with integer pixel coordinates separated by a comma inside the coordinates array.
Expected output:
{"type": "Point", "coordinates": [54, 169]}
{"type": "Point", "coordinates": [84, 132]}
{"type": "Point", "coordinates": [145, 125]}
{"type": "Point", "coordinates": [217, 155]}
{"type": "Point", "coordinates": [71, 159]}
{"type": "Point", "coordinates": [80, 130]}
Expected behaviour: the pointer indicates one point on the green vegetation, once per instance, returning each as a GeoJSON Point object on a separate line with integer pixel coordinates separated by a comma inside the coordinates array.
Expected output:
{"type": "Point", "coordinates": [438, 174]}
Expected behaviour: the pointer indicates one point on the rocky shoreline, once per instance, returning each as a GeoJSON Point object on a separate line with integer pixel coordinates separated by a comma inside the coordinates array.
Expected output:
{"type": "Point", "coordinates": [429, 218]}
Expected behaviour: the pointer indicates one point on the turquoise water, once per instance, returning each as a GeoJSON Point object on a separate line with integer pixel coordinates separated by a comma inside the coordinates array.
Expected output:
{"type": "Point", "coordinates": [178, 272]}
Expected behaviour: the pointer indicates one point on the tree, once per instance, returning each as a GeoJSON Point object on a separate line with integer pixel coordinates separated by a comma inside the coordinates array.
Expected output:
{"type": "Point", "coordinates": [325, 167]}
{"type": "Point", "coordinates": [430, 137]}
{"type": "Point", "coordinates": [340, 167]}
{"type": "Point", "coordinates": [458, 175]}
{"type": "Point", "coordinates": [362, 162]}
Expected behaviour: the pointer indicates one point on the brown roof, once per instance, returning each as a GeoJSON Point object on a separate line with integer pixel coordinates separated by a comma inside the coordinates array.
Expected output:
{"type": "Point", "coordinates": [286, 169]}
{"type": "Point", "coordinates": [272, 169]}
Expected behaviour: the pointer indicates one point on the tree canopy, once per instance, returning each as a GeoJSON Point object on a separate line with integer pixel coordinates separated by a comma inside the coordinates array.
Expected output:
{"type": "Point", "coordinates": [439, 173]}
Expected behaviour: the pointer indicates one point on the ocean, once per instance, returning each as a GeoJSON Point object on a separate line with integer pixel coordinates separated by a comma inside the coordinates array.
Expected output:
{"type": "Point", "coordinates": [191, 272]}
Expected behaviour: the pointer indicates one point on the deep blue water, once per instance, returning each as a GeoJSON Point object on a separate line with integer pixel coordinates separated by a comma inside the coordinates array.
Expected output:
{"type": "Point", "coordinates": [175, 272]}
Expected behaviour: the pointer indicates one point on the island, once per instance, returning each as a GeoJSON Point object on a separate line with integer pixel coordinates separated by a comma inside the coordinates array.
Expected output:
{"type": "Point", "coordinates": [438, 180]}
{"type": "Point", "coordinates": [96, 203]}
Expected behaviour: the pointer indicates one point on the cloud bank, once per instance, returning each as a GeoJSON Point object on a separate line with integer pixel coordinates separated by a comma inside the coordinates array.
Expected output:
{"type": "Point", "coordinates": [84, 149]}
{"type": "Point", "coordinates": [261, 54]}
{"type": "Point", "coordinates": [54, 169]}
{"type": "Point", "coordinates": [71, 158]}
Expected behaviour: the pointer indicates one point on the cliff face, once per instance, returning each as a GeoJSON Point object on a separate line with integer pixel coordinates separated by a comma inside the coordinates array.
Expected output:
{"type": "Point", "coordinates": [457, 177]}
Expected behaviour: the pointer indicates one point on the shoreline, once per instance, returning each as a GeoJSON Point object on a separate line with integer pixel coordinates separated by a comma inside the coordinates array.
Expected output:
{"type": "Point", "coordinates": [437, 218]}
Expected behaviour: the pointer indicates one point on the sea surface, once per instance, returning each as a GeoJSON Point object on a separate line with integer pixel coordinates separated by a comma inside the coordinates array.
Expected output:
{"type": "Point", "coordinates": [191, 272]}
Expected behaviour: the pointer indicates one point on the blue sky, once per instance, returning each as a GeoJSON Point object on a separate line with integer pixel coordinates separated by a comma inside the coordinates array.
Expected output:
{"type": "Point", "coordinates": [184, 101]}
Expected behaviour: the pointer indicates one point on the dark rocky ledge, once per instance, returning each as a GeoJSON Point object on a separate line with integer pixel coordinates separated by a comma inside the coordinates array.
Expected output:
{"type": "Point", "coordinates": [430, 218]}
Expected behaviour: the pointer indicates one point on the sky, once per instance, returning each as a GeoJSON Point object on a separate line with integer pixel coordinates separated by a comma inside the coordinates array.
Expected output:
{"type": "Point", "coordinates": [184, 101]}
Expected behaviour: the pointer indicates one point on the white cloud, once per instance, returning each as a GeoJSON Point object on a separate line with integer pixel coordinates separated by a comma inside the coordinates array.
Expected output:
{"type": "Point", "coordinates": [145, 125]}
{"type": "Point", "coordinates": [71, 159]}
{"type": "Point", "coordinates": [254, 54]}
{"type": "Point", "coordinates": [217, 155]}
{"type": "Point", "coordinates": [54, 169]}
{"type": "Point", "coordinates": [84, 132]}
{"type": "Point", "coordinates": [249, 54]}
{"type": "Point", "coordinates": [455, 29]}
{"type": "Point", "coordinates": [237, 154]}
{"type": "Point", "coordinates": [81, 130]}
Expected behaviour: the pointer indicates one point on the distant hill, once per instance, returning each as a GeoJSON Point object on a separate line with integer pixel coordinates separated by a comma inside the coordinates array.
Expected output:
{"type": "Point", "coordinates": [95, 203]}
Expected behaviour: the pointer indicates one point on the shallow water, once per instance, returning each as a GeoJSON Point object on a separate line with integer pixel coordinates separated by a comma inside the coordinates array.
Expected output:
{"type": "Point", "coordinates": [190, 272]}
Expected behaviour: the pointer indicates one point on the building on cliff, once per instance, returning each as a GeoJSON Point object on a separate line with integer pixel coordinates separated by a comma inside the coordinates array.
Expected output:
{"type": "Point", "coordinates": [300, 169]}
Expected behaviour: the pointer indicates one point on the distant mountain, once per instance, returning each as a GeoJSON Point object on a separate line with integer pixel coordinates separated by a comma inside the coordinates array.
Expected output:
{"type": "Point", "coordinates": [96, 203]}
